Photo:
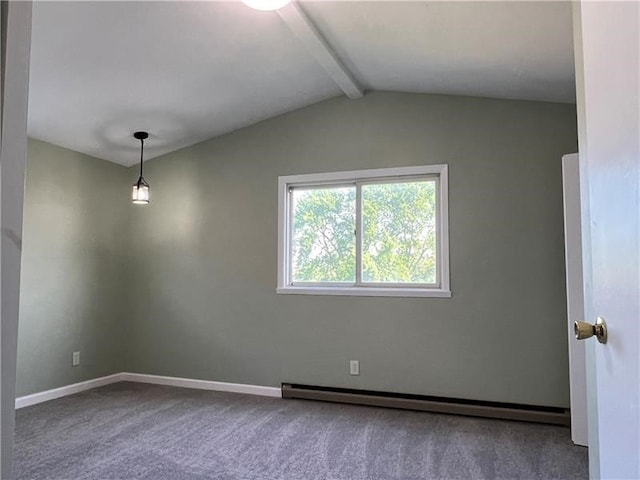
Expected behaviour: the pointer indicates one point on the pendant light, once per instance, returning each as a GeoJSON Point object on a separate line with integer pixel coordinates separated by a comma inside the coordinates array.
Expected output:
{"type": "Point", "coordinates": [140, 194]}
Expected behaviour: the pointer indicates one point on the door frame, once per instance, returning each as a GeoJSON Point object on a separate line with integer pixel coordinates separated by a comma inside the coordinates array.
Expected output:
{"type": "Point", "coordinates": [575, 296]}
{"type": "Point", "coordinates": [14, 93]}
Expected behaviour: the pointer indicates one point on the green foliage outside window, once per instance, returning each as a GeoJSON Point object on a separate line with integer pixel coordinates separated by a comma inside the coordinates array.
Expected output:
{"type": "Point", "coordinates": [398, 237]}
{"type": "Point", "coordinates": [399, 232]}
{"type": "Point", "coordinates": [324, 244]}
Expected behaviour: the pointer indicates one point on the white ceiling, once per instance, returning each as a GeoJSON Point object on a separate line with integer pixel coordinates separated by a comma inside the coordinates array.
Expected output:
{"type": "Point", "coordinates": [189, 71]}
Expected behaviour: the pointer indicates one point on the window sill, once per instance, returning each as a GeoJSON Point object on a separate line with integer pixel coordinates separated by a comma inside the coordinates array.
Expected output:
{"type": "Point", "coordinates": [366, 291]}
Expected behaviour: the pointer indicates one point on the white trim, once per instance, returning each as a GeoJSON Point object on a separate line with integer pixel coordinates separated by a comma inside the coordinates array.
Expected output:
{"type": "Point", "coordinates": [443, 211]}
{"type": "Point", "coordinates": [359, 225]}
{"type": "Point", "coordinates": [366, 291]}
{"type": "Point", "coordinates": [284, 233]}
{"type": "Point", "coordinates": [284, 286]}
{"type": "Point", "coordinates": [202, 384]}
{"type": "Point", "coordinates": [15, 24]}
{"type": "Point", "coordinates": [575, 297]}
{"type": "Point", "coordinates": [60, 392]}
{"type": "Point", "coordinates": [354, 175]}
{"type": "Point", "coordinates": [54, 393]}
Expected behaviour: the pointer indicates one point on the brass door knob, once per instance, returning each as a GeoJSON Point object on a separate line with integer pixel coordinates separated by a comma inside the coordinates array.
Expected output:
{"type": "Point", "coordinates": [585, 330]}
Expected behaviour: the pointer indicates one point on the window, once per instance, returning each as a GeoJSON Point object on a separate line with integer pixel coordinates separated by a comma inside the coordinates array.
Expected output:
{"type": "Point", "coordinates": [381, 232]}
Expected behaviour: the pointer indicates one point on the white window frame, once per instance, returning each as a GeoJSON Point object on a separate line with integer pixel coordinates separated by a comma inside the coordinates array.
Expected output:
{"type": "Point", "coordinates": [360, 177]}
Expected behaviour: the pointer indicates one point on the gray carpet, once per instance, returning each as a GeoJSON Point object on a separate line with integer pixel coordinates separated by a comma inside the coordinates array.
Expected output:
{"type": "Point", "coordinates": [135, 431]}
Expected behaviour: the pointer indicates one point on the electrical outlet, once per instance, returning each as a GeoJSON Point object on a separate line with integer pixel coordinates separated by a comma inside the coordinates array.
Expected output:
{"type": "Point", "coordinates": [75, 359]}
{"type": "Point", "coordinates": [354, 367]}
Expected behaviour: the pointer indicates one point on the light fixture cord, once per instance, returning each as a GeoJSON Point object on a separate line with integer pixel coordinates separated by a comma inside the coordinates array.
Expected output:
{"type": "Point", "coordinates": [141, 153]}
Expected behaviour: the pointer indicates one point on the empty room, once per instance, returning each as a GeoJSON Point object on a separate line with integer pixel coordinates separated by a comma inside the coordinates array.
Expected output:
{"type": "Point", "coordinates": [280, 239]}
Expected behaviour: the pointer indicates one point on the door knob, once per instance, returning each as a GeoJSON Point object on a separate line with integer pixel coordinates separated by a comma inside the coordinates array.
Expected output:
{"type": "Point", "coordinates": [585, 330]}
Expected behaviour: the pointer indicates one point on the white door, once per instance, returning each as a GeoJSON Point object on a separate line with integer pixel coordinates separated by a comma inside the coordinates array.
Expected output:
{"type": "Point", "coordinates": [607, 45]}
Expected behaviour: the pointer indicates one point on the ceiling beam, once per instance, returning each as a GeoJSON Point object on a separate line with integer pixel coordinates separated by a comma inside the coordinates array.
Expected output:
{"type": "Point", "coordinates": [302, 27]}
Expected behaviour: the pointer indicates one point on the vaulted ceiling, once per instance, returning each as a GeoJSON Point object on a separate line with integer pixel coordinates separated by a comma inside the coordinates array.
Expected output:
{"type": "Point", "coordinates": [189, 71]}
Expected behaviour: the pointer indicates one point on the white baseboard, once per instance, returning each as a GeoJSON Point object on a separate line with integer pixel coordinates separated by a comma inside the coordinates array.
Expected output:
{"type": "Point", "coordinates": [47, 395]}
{"type": "Point", "coordinates": [203, 384]}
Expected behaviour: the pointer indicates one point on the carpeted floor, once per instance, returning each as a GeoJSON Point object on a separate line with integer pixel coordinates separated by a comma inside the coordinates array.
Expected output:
{"type": "Point", "coordinates": [136, 431]}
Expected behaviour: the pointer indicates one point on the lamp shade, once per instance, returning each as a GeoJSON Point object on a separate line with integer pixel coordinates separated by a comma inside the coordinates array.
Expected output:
{"type": "Point", "coordinates": [140, 193]}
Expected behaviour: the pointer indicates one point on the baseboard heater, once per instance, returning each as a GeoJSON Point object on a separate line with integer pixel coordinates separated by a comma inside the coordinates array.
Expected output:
{"type": "Point", "coordinates": [506, 411]}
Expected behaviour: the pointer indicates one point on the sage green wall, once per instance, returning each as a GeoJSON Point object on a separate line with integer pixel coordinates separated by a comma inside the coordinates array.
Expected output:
{"type": "Point", "coordinates": [193, 293]}
{"type": "Point", "coordinates": [203, 256]}
{"type": "Point", "coordinates": [73, 277]}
